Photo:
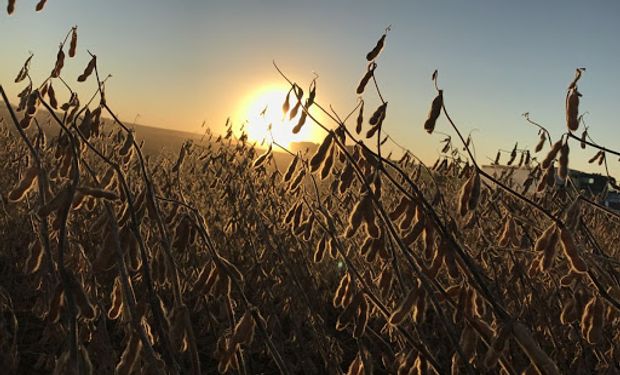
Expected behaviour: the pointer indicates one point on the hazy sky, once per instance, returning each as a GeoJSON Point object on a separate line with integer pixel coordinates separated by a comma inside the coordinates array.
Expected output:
{"type": "Point", "coordinates": [177, 63]}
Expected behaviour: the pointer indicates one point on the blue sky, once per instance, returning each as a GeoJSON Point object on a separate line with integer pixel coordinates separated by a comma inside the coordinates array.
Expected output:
{"type": "Point", "coordinates": [177, 63]}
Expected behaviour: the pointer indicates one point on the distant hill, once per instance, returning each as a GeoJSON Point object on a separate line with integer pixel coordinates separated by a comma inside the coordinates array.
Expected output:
{"type": "Point", "coordinates": [155, 139]}
{"type": "Point", "coordinates": [303, 147]}
{"type": "Point", "coordinates": [158, 139]}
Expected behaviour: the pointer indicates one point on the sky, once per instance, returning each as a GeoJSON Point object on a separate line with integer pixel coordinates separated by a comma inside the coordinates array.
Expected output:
{"type": "Point", "coordinates": [179, 63]}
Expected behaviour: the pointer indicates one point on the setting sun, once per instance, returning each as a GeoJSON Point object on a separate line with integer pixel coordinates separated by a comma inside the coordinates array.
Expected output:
{"type": "Point", "coordinates": [221, 187]}
{"type": "Point", "coordinates": [264, 108]}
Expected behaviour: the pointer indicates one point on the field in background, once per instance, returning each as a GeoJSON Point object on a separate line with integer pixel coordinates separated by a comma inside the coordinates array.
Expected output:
{"type": "Point", "coordinates": [215, 256]}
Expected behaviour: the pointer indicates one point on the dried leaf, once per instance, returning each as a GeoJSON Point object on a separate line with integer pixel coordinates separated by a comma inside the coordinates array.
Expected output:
{"type": "Point", "coordinates": [73, 43]}
{"type": "Point", "coordinates": [89, 69]}
{"type": "Point", "coordinates": [40, 5]}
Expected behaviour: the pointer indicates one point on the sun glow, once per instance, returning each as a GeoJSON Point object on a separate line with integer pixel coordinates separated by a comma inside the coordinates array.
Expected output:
{"type": "Point", "coordinates": [262, 112]}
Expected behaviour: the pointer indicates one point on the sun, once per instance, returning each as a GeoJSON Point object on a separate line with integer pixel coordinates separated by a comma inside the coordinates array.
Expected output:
{"type": "Point", "coordinates": [264, 119]}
